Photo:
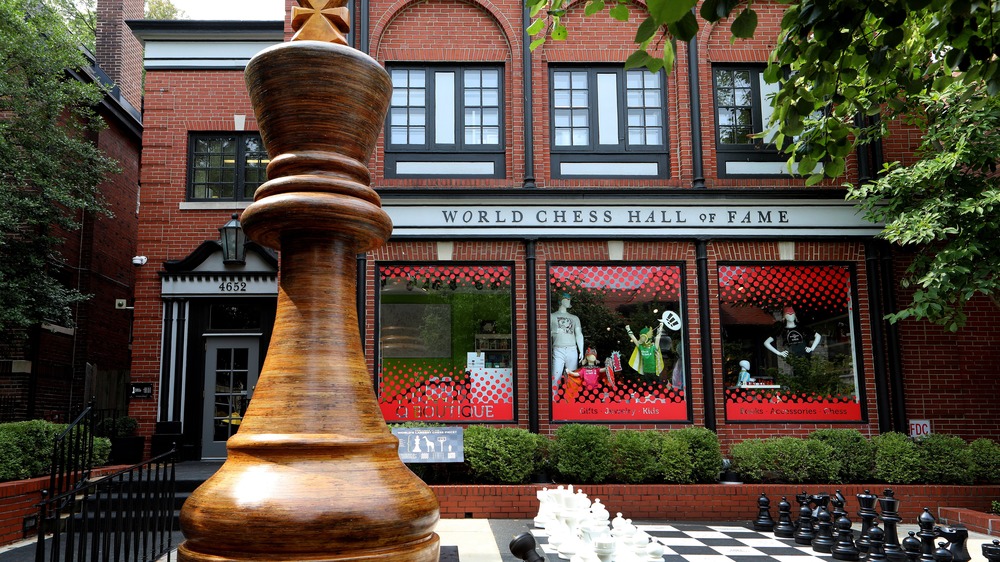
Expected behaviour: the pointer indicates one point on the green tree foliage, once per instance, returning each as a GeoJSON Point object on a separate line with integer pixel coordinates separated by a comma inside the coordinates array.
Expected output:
{"type": "Point", "coordinates": [51, 168]}
{"type": "Point", "coordinates": [163, 10]}
{"type": "Point", "coordinates": [845, 69]}
{"type": "Point", "coordinates": [948, 201]}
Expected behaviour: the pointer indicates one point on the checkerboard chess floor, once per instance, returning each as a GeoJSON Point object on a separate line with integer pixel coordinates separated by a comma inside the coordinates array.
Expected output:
{"type": "Point", "coordinates": [687, 542]}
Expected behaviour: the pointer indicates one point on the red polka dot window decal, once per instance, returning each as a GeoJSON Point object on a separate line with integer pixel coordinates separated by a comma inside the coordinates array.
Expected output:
{"type": "Point", "coordinates": [809, 289]}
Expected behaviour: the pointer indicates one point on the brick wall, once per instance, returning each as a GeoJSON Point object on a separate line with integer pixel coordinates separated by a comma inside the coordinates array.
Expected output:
{"type": "Point", "coordinates": [119, 53]}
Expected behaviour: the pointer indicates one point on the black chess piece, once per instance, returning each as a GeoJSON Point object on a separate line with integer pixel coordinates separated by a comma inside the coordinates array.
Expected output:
{"type": "Point", "coordinates": [820, 501]}
{"type": "Point", "coordinates": [523, 548]}
{"type": "Point", "coordinates": [845, 548]}
{"type": "Point", "coordinates": [876, 543]}
{"type": "Point", "coordinates": [992, 551]}
{"type": "Point", "coordinates": [889, 506]}
{"type": "Point", "coordinates": [801, 498]}
{"type": "Point", "coordinates": [837, 501]}
{"type": "Point", "coordinates": [956, 536]}
{"type": "Point", "coordinates": [764, 521]}
{"type": "Point", "coordinates": [867, 513]}
{"type": "Point", "coordinates": [911, 546]}
{"type": "Point", "coordinates": [926, 535]}
{"type": "Point", "coordinates": [784, 529]}
{"type": "Point", "coordinates": [942, 554]}
{"type": "Point", "coordinates": [824, 540]}
{"type": "Point", "coordinates": [804, 533]}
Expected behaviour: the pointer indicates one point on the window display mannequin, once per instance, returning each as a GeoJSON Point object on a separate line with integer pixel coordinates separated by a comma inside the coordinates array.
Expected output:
{"type": "Point", "coordinates": [591, 374]}
{"type": "Point", "coordinates": [566, 340]}
{"type": "Point", "coordinates": [744, 378]}
{"type": "Point", "coordinates": [795, 338]}
{"type": "Point", "coordinates": [646, 358]}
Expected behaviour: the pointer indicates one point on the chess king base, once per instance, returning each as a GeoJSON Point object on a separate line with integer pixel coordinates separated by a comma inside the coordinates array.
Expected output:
{"type": "Point", "coordinates": [313, 473]}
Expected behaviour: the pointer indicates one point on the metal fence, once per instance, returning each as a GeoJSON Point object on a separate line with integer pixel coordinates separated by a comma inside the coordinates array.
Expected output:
{"type": "Point", "coordinates": [72, 454]}
{"type": "Point", "coordinates": [127, 516]}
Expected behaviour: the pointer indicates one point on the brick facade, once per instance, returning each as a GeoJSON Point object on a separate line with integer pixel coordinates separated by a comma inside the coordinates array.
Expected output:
{"type": "Point", "coordinates": [181, 101]}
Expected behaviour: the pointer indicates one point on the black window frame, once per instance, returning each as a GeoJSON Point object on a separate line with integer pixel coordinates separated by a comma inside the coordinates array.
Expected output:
{"type": "Point", "coordinates": [623, 152]}
{"type": "Point", "coordinates": [239, 178]}
{"type": "Point", "coordinates": [756, 151]}
{"type": "Point", "coordinates": [459, 151]}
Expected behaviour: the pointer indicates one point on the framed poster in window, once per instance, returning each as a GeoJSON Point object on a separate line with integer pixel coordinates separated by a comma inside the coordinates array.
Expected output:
{"type": "Point", "coordinates": [618, 343]}
{"type": "Point", "coordinates": [790, 343]}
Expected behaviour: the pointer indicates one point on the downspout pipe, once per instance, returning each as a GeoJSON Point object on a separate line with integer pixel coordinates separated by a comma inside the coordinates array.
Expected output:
{"type": "Point", "coordinates": [532, 335]}
{"type": "Point", "coordinates": [694, 91]}
{"type": "Point", "coordinates": [704, 321]}
{"type": "Point", "coordinates": [363, 29]}
{"type": "Point", "coordinates": [526, 67]}
{"type": "Point", "coordinates": [875, 281]}
{"type": "Point", "coordinates": [892, 341]}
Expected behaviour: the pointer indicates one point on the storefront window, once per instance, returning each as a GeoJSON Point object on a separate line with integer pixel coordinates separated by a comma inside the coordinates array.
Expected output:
{"type": "Point", "coordinates": [617, 343]}
{"type": "Point", "coordinates": [446, 343]}
{"type": "Point", "coordinates": [788, 343]}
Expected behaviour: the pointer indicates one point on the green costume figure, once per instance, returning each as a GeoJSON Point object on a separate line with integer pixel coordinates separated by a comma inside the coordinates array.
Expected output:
{"type": "Point", "coordinates": [646, 358]}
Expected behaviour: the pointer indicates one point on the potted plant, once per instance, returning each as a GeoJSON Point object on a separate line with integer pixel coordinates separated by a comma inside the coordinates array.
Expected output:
{"type": "Point", "coordinates": [126, 446]}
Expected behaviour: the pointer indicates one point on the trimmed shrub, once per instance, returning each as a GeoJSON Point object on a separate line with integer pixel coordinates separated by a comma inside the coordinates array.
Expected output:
{"type": "Point", "coordinates": [705, 452]}
{"type": "Point", "coordinates": [896, 458]}
{"type": "Point", "coordinates": [944, 459]}
{"type": "Point", "coordinates": [785, 459]}
{"type": "Point", "coordinates": [500, 455]}
{"type": "Point", "coordinates": [675, 462]}
{"type": "Point", "coordinates": [582, 453]}
{"type": "Point", "coordinates": [123, 426]}
{"type": "Point", "coordinates": [985, 457]}
{"type": "Point", "coordinates": [26, 448]}
{"type": "Point", "coordinates": [102, 451]}
{"type": "Point", "coordinates": [855, 452]}
{"type": "Point", "coordinates": [635, 456]}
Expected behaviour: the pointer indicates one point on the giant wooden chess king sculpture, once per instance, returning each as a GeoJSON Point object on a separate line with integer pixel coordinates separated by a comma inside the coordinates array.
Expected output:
{"type": "Point", "coordinates": [313, 473]}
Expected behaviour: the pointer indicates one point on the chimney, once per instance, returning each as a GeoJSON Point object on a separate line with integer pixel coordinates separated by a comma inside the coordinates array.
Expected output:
{"type": "Point", "coordinates": [119, 53]}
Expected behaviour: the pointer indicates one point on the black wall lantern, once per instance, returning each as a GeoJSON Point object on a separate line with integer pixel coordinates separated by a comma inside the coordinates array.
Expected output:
{"type": "Point", "coordinates": [234, 250]}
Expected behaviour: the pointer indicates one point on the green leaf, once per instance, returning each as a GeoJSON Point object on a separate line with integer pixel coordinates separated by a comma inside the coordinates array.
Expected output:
{"type": "Point", "coordinates": [646, 30]}
{"type": "Point", "coordinates": [834, 168]}
{"type": "Point", "coordinates": [684, 29]}
{"type": "Point", "coordinates": [593, 7]}
{"type": "Point", "coordinates": [814, 179]}
{"type": "Point", "coordinates": [669, 54]}
{"type": "Point", "coordinates": [636, 60]}
{"type": "Point", "coordinates": [559, 32]}
{"type": "Point", "coordinates": [669, 11]}
{"type": "Point", "coordinates": [620, 12]}
{"type": "Point", "coordinates": [745, 24]}
{"type": "Point", "coordinates": [536, 43]}
{"type": "Point", "coordinates": [709, 11]}
{"type": "Point", "coordinates": [536, 26]}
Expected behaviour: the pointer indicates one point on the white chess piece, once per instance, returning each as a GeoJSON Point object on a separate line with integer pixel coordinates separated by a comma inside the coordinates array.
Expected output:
{"type": "Point", "coordinates": [654, 552]}
{"type": "Point", "coordinates": [599, 512]}
{"type": "Point", "coordinates": [544, 507]}
{"type": "Point", "coordinates": [604, 548]}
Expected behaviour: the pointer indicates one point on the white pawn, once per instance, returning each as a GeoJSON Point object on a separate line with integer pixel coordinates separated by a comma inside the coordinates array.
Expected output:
{"type": "Point", "coordinates": [638, 544]}
{"type": "Point", "coordinates": [599, 511]}
{"type": "Point", "coordinates": [604, 548]}
{"type": "Point", "coordinates": [654, 552]}
{"type": "Point", "coordinates": [617, 523]}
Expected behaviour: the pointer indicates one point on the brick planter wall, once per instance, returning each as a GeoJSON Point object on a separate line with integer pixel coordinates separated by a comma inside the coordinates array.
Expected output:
{"type": "Point", "coordinates": [703, 502]}
{"type": "Point", "coordinates": [19, 499]}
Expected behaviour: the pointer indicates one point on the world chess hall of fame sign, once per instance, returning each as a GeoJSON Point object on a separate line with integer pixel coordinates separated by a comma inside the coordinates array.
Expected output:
{"type": "Point", "coordinates": [445, 335]}
{"type": "Point", "coordinates": [617, 343]}
{"type": "Point", "coordinates": [789, 343]}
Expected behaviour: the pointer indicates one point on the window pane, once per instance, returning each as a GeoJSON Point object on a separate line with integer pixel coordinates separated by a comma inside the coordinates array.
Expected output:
{"type": "Point", "coordinates": [399, 96]}
{"type": "Point", "coordinates": [473, 116]}
{"type": "Point", "coordinates": [653, 98]}
{"type": "Point", "coordinates": [653, 118]}
{"type": "Point", "coordinates": [397, 135]}
{"type": "Point", "coordinates": [635, 118]}
{"type": "Point", "coordinates": [491, 116]}
{"type": "Point", "coordinates": [634, 98]}
{"type": "Point", "coordinates": [399, 78]}
{"type": "Point", "coordinates": [654, 136]}
{"type": "Point", "coordinates": [607, 109]}
{"type": "Point", "coordinates": [418, 117]}
{"type": "Point", "coordinates": [581, 137]}
{"type": "Point", "coordinates": [397, 116]}
{"type": "Point", "coordinates": [579, 80]}
{"type": "Point", "coordinates": [563, 137]}
{"type": "Point", "coordinates": [561, 118]}
{"type": "Point", "coordinates": [418, 97]}
{"type": "Point", "coordinates": [473, 135]}
{"type": "Point", "coordinates": [444, 107]}
{"type": "Point", "coordinates": [445, 335]}
{"type": "Point", "coordinates": [741, 79]}
{"type": "Point", "coordinates": [560, 80]}
{"type": "Point", "coordinates": [418, 135]}
{"type": "Point", "coordinates": [726, 117]}
{"type": "Point", "coordinates": [473, 97]}
{"type": "Point", "coordinates": [744, 96]}
{"type": "Point", "coordinates": [580, 118]}
{"type": "Point", "coordinates": [579, 98]}
{"type": "Point", "coordinates": [726, 97]}
{"type": "Point", "coordinates": [491, 78]}
{"type": "Point", "coordinates": [491, 135]}
{"type": "Point", "coordinates": [418, 79]}
{"type": "Point", "coordinates": [633, 80]}
{"type": "Point", "coordinates": [744, 117]}
{"type": "Point", "coordinates": [636, 136]}
{"type": "Point", "coordinates": [561, 98]}
{"type": "Point", "coordinates": [491, 98]}
{"type": "Point", "coordinates": [472, 79]}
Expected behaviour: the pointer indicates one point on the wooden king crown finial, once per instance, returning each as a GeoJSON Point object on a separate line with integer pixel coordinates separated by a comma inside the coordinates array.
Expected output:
{"type": "Point", "coordinates": [321, 20]}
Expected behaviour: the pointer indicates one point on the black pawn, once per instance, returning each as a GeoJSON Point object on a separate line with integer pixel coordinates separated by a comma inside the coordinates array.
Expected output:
{"type": "Point", "coordinates": [876, 544]}
{"type": "Point", "coordinates": [523, 548]}
{"type": "Point", "coordinates": [926, 535]}
{"type": "Point", "coordinates": [764, 521]}
{"type": "Point", "coordinates": [804, 534]}
{"type": "Point", "coordinates": [867, 513]}
{"type": "Point", "coordinates": [845, 548]}
{"type": "Point", "coordinates": [824, 540]}
{"type": "Point", "coordinates": [942, 554]}
{"type": "Point", "coordinates": [784, 529]}
{"type": "Point", "coordinates": [992, 551]}
{"type": "Point", "coordinates": [911, 546]}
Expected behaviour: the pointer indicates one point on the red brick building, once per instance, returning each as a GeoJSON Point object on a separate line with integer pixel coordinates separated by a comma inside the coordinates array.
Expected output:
{"type": "Point", "coordinates": [51, 371]}
{"type": "Point", "coordinates": [520, 183]}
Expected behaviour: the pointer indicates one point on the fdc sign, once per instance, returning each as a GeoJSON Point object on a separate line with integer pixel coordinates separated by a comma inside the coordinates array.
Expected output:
{"type": "Point", "coordinates": [920, 428]}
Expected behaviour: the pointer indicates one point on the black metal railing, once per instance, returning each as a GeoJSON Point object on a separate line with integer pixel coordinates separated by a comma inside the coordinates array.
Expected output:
{"type": "Point", "coordinates": [127, 516]}
{"type": "Point", "coordinates": [73, 454]}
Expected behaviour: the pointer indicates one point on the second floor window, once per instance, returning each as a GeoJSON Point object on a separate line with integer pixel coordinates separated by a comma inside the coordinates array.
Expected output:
{"type": "Point", "coordinates": [608, 122]}
{"type": "Point", "coordinates": [742, 112]}
{"type": "Point", "coordinates": [445, 121]}
{"type": "Point", "coordinates": [226, 166]}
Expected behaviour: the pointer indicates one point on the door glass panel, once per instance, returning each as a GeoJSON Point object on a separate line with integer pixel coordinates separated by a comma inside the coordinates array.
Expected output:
{"type": "Point", "coordinates": [231, 392]}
